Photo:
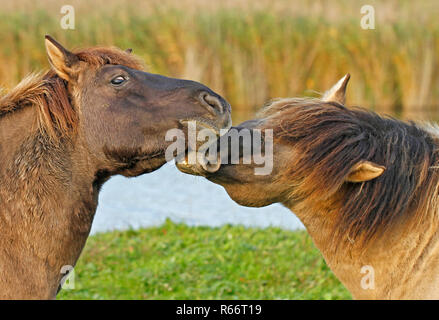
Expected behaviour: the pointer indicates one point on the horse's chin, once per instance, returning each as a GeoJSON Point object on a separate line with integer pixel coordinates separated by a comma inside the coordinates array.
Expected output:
{"type": "Point", "coordinates": [144, 166]}
{"type": "Point", "coordinates": [246, 199]}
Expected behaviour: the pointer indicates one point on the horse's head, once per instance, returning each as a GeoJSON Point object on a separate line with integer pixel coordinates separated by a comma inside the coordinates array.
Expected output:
{"type": "Point", "coordinates": [124, 113]}
{"type": "Point", "coordinates": [305, 133]}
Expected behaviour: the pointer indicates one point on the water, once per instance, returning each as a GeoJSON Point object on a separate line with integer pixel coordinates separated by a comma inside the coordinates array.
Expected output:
{"type": "Point", "coordinates": [167, 193]}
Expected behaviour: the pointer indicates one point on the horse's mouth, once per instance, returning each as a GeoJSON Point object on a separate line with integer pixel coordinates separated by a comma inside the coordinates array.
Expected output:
{"type": "Point", "coordinates": [200, 162]}
{"type": "Point", "coordinates": [204, 124]}
{"type": "Point", "coordinates": [203, 164]}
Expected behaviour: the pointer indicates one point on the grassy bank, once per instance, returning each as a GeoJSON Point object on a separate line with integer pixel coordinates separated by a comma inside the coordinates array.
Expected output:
{"type": "Point", "coordinates": [175, 261]}
{"type": "Point", "coordinates": [250, 51]}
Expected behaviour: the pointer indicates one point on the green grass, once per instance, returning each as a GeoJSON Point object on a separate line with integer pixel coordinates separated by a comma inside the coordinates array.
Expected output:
{"type": "Point", "coordinates": [175, 261]}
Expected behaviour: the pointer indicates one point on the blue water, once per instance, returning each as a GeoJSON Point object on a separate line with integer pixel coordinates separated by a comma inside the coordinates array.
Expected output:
{"type": "Point", "coordinates": [131, 203]}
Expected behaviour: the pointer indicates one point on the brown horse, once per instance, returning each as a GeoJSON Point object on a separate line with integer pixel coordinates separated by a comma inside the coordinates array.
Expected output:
{"type": "Point", "coordinates": [365, 187]}
{"type": "Point", "coordinates": [63, 134]}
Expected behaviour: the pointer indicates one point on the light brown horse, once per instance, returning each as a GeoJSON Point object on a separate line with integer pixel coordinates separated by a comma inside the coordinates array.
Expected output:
{"type": "Point", "coordinates": [364, 186]}
{"type": "Point", "coordinates": [64, 133]}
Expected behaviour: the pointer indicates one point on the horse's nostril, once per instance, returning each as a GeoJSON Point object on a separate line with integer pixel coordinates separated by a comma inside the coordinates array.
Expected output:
{"type": "Point", "coordinates": [212, 103]}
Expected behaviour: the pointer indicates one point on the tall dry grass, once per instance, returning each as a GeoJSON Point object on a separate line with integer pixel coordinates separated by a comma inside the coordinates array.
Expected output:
{"type": "Point", "coordinates": [250, 51]}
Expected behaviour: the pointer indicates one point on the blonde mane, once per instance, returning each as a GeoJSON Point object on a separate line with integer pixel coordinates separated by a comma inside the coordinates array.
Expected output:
{"type": "Point", "coordinates": [330, 139]}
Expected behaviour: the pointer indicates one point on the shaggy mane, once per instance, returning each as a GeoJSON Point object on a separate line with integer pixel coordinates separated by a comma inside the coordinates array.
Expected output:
{"type": "Point", "coordinates": [331, 139]}
{"type": "Point", "coordinates": [49, 93]}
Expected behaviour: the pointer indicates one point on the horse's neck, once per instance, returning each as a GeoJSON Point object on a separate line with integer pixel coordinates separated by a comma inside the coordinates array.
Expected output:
{"type": "Point", "coordinates": [402, 264]}
{"type": "Point", "coordinates": [47, 202]}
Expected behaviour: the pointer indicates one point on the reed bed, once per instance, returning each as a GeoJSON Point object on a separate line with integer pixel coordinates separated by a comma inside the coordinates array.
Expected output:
{"type": "Point", "coordinates": [250, 51]}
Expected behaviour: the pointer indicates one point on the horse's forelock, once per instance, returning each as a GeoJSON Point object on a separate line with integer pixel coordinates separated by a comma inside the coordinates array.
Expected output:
{"type": "Point", "coordinates": [98, 56]}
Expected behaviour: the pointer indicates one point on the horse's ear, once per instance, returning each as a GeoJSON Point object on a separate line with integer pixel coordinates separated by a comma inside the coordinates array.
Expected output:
{"type": "Point", "coordinates": [129, 50]}
{"type": "Point", "coordinates": [338, 92]}
{"type": "Point", "coordinates": [365, 171]}
{"type": "Point", "coordinates": [62, 60]}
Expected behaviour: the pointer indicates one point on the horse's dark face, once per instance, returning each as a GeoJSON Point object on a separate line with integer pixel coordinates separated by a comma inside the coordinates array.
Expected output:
{"type": "Point", "coordinates": [125, 113]}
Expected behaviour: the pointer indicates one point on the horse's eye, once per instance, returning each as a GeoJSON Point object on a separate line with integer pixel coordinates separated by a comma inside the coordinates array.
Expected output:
{"type": "Point", "coordinates": [118, 80]}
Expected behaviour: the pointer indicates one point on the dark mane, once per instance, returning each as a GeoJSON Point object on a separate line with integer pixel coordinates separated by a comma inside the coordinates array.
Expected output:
{"type": "Point", "coordinates": [49, 93]}
{"type": "Point", "coordinates": [331, 139]}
